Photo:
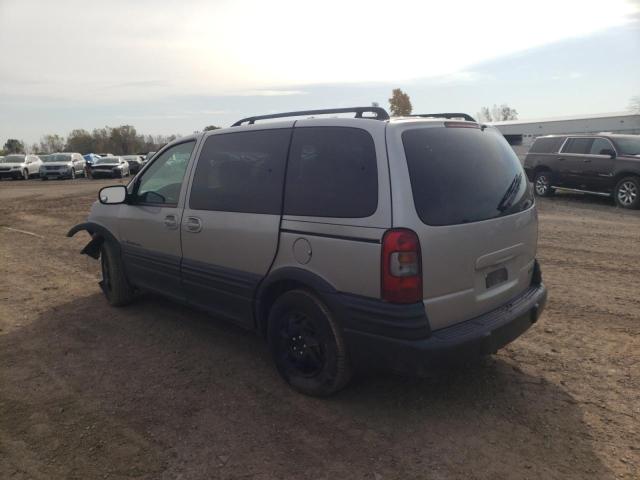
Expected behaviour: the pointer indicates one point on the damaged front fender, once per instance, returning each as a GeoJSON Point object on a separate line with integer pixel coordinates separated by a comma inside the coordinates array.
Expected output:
{"type": "Point", "coordinates": [98, 235]}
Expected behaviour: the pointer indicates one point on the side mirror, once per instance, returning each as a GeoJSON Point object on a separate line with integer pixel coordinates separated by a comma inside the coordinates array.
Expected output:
{"type": "Point", "coordinates": [608, 151]}
{"type": "Point", "coordinates": [113, 195]}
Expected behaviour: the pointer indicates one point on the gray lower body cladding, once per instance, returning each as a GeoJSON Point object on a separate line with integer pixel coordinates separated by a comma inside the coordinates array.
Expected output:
{"type": "Point", "coordinates": [473, 338]}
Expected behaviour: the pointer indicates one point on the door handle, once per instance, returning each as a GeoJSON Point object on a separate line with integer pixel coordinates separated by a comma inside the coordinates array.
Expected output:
{"type": "Point", "coordinates": [588, 160]}
{"type": "Point", "coordinates": [561, 159]}
{"type": "Point", "coordinates": [171, 222]}
{"type": "Point", "coordinates": [193, 224]}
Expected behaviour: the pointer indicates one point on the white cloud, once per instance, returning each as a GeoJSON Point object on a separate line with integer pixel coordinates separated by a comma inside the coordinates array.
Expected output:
{"type": "Point", "coordinates": [105, 52]}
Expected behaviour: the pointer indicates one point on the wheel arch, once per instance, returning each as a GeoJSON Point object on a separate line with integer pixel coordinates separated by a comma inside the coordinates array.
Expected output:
{"type": "Point", "coordinates": [623, 174]}
{"type": "Point", "coordinates": [283, 280]}
{"type": "Point", "coordinates": [99, 234]}
{"type": "Point", "coordinates": [541, 168]}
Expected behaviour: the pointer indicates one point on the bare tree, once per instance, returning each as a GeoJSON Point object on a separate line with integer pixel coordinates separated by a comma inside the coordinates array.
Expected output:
{"type": "Point", "coordinates": [497, 113]}
{"type": "Point", "coordinates": [484, 115]}
{"type": "Point", "coordinates": [400, 103]}
{"type": "Point", "coordinates": [51, 143]}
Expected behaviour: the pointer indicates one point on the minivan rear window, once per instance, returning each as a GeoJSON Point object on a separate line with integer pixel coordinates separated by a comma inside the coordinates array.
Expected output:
{"type": "Point", "coordinates": [463, 175]}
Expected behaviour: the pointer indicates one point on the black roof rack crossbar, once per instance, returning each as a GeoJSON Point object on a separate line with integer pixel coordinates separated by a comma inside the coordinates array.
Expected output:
{"type": "Point", "coordinates": [380, 114]}
{"type": "Point", "coordinates": [466, 116]}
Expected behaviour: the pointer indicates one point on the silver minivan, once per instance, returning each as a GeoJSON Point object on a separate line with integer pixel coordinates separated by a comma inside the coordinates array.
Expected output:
{"type": "Point", "coordinates": [348, 243]}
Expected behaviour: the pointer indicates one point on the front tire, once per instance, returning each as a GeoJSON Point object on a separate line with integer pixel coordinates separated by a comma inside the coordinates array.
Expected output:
{"type": "Point", "coordinates": [25, 174]}
{"type": "Point", "coordinates": [627, 193]}
{"type": "Point", "coordinates": [542, 184]}
{"type": "Point", "coordinates": [114, 282]}
{"type": "Point", "coordinates": [72, 175]}
{"type": "Point", "coordinates": [307, 344]}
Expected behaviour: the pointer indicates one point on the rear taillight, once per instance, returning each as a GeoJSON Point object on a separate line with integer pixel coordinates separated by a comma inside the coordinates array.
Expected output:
{"type": "Point", "coordinates": [401, 267]}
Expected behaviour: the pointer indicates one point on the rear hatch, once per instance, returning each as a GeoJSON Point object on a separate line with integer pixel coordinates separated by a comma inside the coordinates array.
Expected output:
{"type": "Point", "coordinates": [473, 212]}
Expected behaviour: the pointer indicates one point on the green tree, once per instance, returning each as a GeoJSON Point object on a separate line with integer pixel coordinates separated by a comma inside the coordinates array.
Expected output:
{"type": "Point", "coordinates": [399, 103]}
{"type": "Point", "coordinates": [210, 127]}
{"type": "Point", "coordinates": [123, 140]}
{"type": "Point", "coordinates": [14, 146]}
{"type": "Point", "coordinates": [81, 141]}
{"type": "Point", "coordinates": [101, 140]}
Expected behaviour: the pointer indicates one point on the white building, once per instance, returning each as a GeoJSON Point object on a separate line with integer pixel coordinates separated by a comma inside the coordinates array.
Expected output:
{"type": "Point", "coordinates": [521, 133]}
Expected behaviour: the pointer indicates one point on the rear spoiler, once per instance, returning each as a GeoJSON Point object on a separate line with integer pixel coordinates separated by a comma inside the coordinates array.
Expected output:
{"type": "Point", "coordinates": [449, 116]}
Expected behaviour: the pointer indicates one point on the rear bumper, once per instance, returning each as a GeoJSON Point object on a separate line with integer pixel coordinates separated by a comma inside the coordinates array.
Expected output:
{"type": "Point", "coordinates": [473, 338]}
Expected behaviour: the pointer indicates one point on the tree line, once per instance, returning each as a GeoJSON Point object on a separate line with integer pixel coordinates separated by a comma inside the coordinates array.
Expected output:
{"type": "Point", "coordinates": [400, 105]}
{"type": "Point", "coordinates": [122, 140]}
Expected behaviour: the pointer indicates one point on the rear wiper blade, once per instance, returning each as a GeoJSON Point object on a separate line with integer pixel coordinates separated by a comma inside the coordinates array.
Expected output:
{"type": "Point", "coordinates": [508, 195]}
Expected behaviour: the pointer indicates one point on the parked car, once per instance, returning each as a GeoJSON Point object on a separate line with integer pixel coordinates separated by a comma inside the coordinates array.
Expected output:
{"type": "Point", "coordinates": [135, 162]}
{"type": "Point", "coordinates": [602, 164]}
{"type": "Point", "coordinates": [62, 165]}
{"type": "Point", "coordinates": [149, 156]}
{"type": "Point", "coordinates": [347, 243]}
{"type": "Point", "coordinates": [89, 158]}
{"type": "Point", "coordinates": [20, 166]}
{"type": "Point", "coordinates": [113, 167]}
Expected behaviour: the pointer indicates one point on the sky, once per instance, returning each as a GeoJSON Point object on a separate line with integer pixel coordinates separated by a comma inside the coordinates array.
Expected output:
{"type": "Point", "coordinates": [169, 66]}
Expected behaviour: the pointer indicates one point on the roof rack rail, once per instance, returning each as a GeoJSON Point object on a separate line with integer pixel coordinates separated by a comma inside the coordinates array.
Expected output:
{"type": "Point", "coordinates": [449, 116]}
{"type": "Point", "coordinates": [380, 114]}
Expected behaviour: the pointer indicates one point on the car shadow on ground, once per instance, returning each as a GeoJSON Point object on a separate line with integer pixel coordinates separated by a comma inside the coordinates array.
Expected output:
{"type": "Point", "coordinates": [158, 390]}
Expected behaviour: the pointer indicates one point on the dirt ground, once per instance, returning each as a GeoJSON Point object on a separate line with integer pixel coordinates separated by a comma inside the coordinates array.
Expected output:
{"type": "Point", "coordinates": [156, 390]}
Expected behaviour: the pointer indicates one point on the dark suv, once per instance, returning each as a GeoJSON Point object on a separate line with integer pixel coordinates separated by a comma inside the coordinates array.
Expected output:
{"type": "Point", "coordinates": [602, 164]}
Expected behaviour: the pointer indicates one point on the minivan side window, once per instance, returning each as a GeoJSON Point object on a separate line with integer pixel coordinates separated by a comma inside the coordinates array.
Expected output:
{"type": "Point", "coordinates": [160, 184]}
{"type": "Point", "coordinates": [600, 144]}
{"type": "Point", "coordinates": [241, 172]}
{"type": "Point", "coordinates": [578, 145]}
{"type": "Point", "coordinates": [332, 172]}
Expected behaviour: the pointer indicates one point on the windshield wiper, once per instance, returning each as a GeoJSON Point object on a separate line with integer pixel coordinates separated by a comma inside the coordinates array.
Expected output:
{"type": "Point", "coordinates": [508, 195]}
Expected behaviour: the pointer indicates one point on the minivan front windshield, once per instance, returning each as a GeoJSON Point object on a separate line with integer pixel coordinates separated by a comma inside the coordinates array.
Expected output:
{"type": "Point", "coordinates": [462, 175]}
{"type": "Point", "coordinates": [628, 145]}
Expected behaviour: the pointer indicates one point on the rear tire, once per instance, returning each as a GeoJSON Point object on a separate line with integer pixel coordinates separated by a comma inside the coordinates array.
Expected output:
{"type": "Point", "coordinates": [307, 344]}
{"type": "Point", "coordinates": [542, 184]}
{"type": "Point", "coordinates": [25, 175]}
{"type": "Point", "coordinates": [627, 193]}
{"type": "Point", "coordinates": [114, 282]}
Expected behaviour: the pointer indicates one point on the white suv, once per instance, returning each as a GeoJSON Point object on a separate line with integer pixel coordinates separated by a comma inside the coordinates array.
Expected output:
{"type": "Point", "coordinates": [20, 166]}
